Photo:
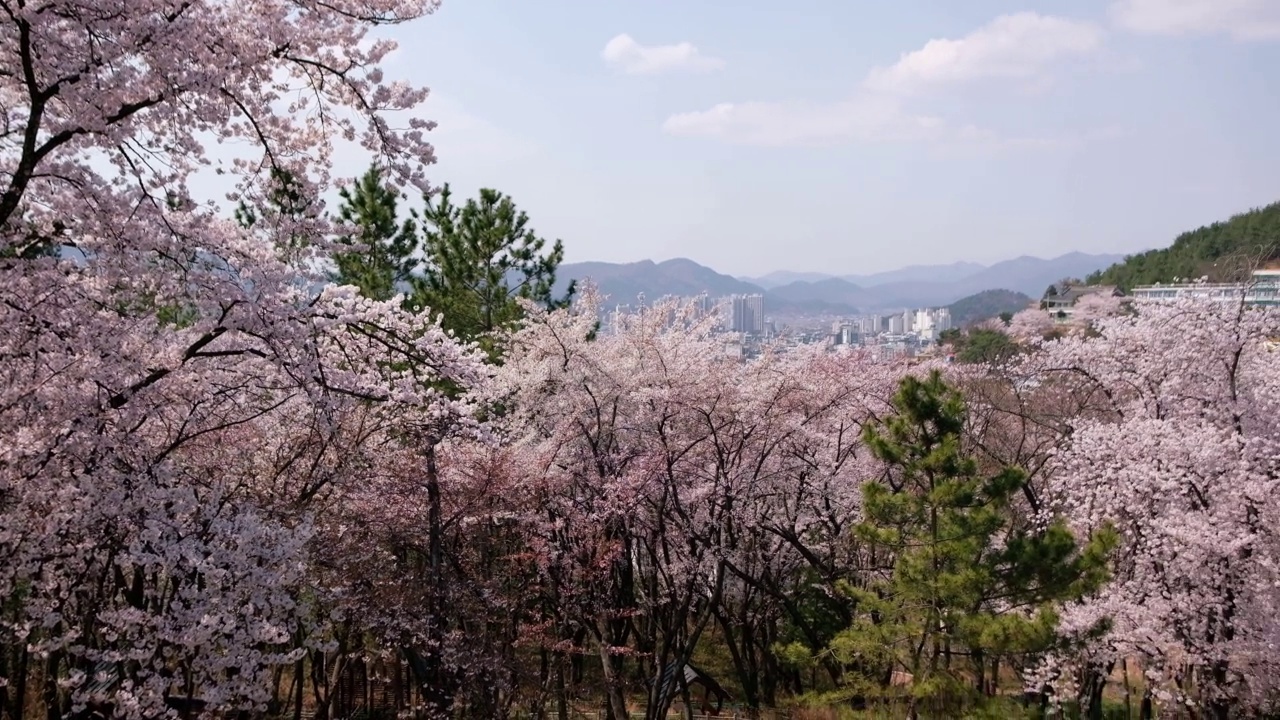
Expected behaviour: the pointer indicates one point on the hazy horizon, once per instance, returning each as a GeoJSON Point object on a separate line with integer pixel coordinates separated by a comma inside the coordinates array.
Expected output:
{"type": "Point", "coordinates": [754, 136]}
{"type": "Point", "coordinates": [836, 273]}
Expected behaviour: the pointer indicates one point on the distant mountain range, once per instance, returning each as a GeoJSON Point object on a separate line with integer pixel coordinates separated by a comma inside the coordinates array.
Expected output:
{"type": "Point", "coordinates": [914, 286]}
{"type": "Point", "coordinates": [624, 282]}
{"type": "Point", "coordinates": [911, 273]}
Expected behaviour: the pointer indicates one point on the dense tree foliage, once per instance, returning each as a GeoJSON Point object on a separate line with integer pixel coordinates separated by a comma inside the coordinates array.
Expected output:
{"type": "Point", "coordinates": [1180, 455]}
{"type": "Point", "coordinates": [958, 584]}
{"type": "Point", "coordinates": [232, 488]}
{"type": "Point", "coordinates": [480, 260]}
{"type": "Point", "coordinates": [178, 398]}
{"type": "Point", "coordinates": [1223, 251]}
{"type": "Point", "coordinates": [382, 257]}
{"type": "Point", "coordinates": [472, 264]}
{"type": "Point", "coordinates": [983, 345]}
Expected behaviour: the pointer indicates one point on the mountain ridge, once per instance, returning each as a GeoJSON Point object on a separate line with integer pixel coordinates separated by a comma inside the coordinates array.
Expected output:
{"type": "Point", "coordinates": [941, 272]}
{"type": "Point", "coordinates": [911, 286]}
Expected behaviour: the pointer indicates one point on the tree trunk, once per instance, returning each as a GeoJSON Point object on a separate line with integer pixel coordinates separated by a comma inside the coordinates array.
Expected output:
{"type": "Point", "coordinates": [980, 665]}
{"type": "Point", "coordinates": [1128, 689]}
{"type": "Point", "coordinates": [52, 706]}
{"type": "Point", "coordinates": [299, 688]}
{"type": "Point", "coordinates": [1220, 706]}
{"type": "Point", "coordinates": [740, 654]}
{"type": "Point", "coordinates": [17, 708]}
{"type": "Point", "coordinates": [1096, 682]}
{"type": "Point", "coordinates": [6, 673]}
{"type": "Point", "coordinates": [770, 673]}
{"type": "Point", "coordinates": [686, 697]}
{"type": "Point", "coordinates": [562, 693]}
{"type": "Point", "coordinates": [615, 699]}
{"type": "Point", "coordinates": [436, 686]}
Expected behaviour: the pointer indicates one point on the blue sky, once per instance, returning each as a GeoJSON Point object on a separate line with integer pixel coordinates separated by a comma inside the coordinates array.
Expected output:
{"type": "Point", "coordinates": [849, 135]}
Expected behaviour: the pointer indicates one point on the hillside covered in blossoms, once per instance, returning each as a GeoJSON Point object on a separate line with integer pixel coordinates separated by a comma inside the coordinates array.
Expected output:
{"type": "Point", "coordinates": [264, 459]}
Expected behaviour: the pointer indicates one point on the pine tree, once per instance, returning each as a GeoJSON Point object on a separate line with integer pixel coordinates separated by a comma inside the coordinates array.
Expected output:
{"type": "Point", "coordinates": [984, 345]}
{"type": "Point", "coordinates": [383, 260]}
{"type": "Point", "coordinates": [470, 263]}
{"type": "Point", "coordinates": [964, 582]}
{"type": "Point", "coordinates": [481, 257]}
{"type": "Point", "coordinates": [286, 206]}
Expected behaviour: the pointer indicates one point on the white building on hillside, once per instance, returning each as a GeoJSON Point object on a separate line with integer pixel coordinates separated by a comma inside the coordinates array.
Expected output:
{"type": "Point", "coordinates": [1263, 288]}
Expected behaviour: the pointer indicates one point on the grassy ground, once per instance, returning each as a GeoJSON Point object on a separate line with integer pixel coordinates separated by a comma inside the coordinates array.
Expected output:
{"type": "Point", "coordinates": [998, 709]}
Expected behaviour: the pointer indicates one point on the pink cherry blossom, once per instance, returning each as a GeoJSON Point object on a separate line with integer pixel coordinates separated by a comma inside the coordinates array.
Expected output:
{"type": "Point", "coordinates": [1181, 452]}
{"type": "Point", "coordinates": [178, 400]}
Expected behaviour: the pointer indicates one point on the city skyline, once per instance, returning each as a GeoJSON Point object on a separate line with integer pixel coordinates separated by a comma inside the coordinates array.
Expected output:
{"type": "Point", "coordinates": [757, 137]}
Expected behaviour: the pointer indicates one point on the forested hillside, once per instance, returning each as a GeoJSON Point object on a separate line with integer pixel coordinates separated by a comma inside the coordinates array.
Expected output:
{"type": "Point", "coordinates": [986, 304]}
{"type": "Point", "coordinates": [1221, 251]}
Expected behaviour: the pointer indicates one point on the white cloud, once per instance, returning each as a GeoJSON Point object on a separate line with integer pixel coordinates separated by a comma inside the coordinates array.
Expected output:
{"type": "Point", "coordinates": [865, 119]}
{"type": "Point", "coordinates": [781, 124]}
{"type": "Point", "coordinates": [1241, 19]}
{"type": "Point", "coordinates": [631, 57]}
{"type": "Point", "coordinates": [1018, 46]}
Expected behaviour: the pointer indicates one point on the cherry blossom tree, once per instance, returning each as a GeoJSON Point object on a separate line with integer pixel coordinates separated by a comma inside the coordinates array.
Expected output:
{"type": "Point", "coordinates": [675, 483]}
{"type": "Point", "coordinates": [179, 401]}
{"type": "Point", "coordinates": [609, 421]}
{"type": "Point", "coordinates": [1093, 307]}
{"type": "Point", "coordinates": [1183, 460]}
{"type": "Point", "coordinates": [224, 483]}
{"type": "Point", "coordinates": [1030, 324]}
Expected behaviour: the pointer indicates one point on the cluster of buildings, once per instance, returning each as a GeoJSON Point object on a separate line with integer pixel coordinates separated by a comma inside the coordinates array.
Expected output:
{"type": "Point", "coordinates": [891, 336]}
{"type": "Point", "coordinates": [745, 315]}
{"type": "Point", "coordinates": [746, 328]}
{"type": "Point", "coordinates": [741, 314]}
{"type": "Point", "coordinates": [923, 326]}
{"type": "Point", "coordinates": [742, 320]}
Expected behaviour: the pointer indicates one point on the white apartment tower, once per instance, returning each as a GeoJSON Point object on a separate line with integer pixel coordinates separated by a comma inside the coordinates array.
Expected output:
{"type": "Point", "coordinates": [746, 314]}
{"type": "Point", "coordinates": [931, 322]}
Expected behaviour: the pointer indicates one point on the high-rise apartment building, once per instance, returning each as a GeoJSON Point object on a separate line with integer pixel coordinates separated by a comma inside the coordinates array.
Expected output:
{"type": "Point", "coordinates": [756, 304]}
{"type": "Point", "coordinates": [746, 314]}
{"type": "Point", "coordinates": [704, 305]}
{"type": "Point", "coordinates": [931, 322]}
{"type": "Point", "coordinates": [942, 322]}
